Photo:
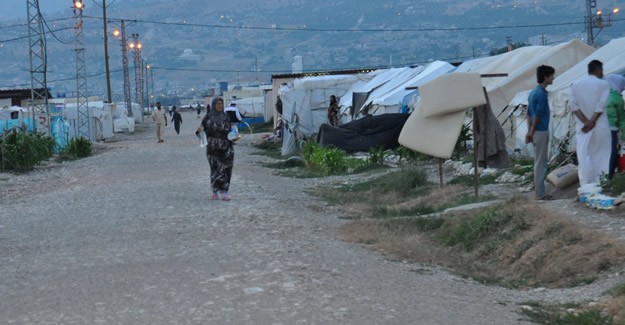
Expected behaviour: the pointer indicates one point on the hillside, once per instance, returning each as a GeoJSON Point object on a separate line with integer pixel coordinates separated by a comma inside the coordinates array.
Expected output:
{"type": "Point", "coordinates": [243, 53]}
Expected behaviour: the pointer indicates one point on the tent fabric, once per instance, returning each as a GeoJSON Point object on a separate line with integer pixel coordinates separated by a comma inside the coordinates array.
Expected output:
{"type": "Point", "coordinates": [307, 100]}
{"type": "Point", "coordinates": [253, 106]}
{"type": "Point", "coordinates": [437, 135]}
{"type": "Point", "coordinates": [380, 131]}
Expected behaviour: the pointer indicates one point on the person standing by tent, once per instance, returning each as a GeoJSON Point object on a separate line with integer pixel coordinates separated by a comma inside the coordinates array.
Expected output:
{"type": "Point", "coordinates": [159, 116]}
{"type": "Point", "coordinates": [177, 119]}
{"type": "Point", "coordinates": [219, 150]}
{"type": "Point", "coordinates": [279, 106]}
{"type": "Point", "coordinates": [333, 111]}
{"type": "Point", "coordinates": [616, 117]}
{"type": "Point", "coordinates": [538, 126]}
{"type": "Point", "coordinates": [588, 100]}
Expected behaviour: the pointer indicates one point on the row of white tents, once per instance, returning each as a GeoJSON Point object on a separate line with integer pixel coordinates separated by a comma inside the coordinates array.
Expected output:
{"type": "Point", "coordinates": [305, 100]}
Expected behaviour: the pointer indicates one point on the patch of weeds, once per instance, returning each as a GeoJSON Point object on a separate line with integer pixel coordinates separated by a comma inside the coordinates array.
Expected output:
{"type": "Point", "coordinates": [467, 232]}
{"type": "Point", "coordinates": [616, 185]}
{"type": "Point", "coordinates": [77, 148]}
{"type": "Point", "coordinates": [583, 281]}
{"type": "Point", "coordinates": [404, 182]}
{"type": "Point", "coordinates": [407, 155]}
{"type": "Point", "coordinates": [522, 170]}
{"type": "Point", "coordinates": [21, 152]}
{"type": "Point", "coordinates": [467, 180]}
{"type": "Point", "coordinates": [618, 291]}
{"type": "Point", "coordinates": [269, 149]}
{"type": "Point", "coordinates": [386, 212]}
{"type": "Point", "coordinates": [408, 225]}
{"type": "Point", "coordinates": [377, 156]}
{"type": "Point", "coordinates": [558, 315]}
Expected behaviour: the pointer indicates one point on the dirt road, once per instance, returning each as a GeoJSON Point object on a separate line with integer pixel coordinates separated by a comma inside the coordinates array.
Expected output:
{"type": "Point", "coordinates": [129, 236]}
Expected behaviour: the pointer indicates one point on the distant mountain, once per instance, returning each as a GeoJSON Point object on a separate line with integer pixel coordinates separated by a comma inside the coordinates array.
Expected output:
{"type": "Point", "coordinates": [242, 53]}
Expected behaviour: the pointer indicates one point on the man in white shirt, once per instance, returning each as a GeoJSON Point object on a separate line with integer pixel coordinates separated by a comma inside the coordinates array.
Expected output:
{"type": "Point", "coordinates": [588, 100]}
{"type": "Point", "coordinates": [234, 113]}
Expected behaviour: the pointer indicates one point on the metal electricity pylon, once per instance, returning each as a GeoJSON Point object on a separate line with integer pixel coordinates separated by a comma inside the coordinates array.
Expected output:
{"type": "Point", "coordinates": [39, 109]}
{"type": "Point", "coordinates": [136, 47]}
{"type": "Point", "coordinates": [82, 101]}
{"type": "Point", "coordinates": [127, 98]}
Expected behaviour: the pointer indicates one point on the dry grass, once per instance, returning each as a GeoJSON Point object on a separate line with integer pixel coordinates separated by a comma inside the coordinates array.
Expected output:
{"type": "Point", "coordinates": [517, 244]}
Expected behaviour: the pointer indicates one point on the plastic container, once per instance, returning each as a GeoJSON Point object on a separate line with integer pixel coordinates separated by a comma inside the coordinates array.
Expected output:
{"type": "Point", "coordinates": [202, 138]}
{"type": "Point", "coordinates": [586, 191]}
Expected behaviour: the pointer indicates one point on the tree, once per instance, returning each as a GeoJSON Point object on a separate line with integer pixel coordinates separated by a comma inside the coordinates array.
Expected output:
{"type": "Point", "coordinates": [505, 48]}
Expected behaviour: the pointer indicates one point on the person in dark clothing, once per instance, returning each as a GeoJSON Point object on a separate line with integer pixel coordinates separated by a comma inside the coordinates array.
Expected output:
{"type": "Point", "coordinates": [333, 111]}
{"type": "Point", "coordinates": [177, 119]}
{"type": "Point", "coordinates": [279, 105]}
{"type": "Point", "coordinates": [219, 150]}
{"type": "Point", "coordinates": [199, 109]}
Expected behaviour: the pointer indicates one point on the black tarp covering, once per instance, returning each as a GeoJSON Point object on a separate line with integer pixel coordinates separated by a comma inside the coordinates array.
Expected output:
{"type": "Point", "coordinates": [362, 134]}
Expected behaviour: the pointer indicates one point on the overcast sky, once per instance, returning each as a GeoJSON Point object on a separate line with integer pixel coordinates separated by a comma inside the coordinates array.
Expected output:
{"type": "Point", "coordinates": [10, 9]}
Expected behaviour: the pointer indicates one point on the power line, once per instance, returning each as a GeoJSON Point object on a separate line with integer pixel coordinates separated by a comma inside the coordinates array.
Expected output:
{"type": "Point", "coordinates": [26, 24]}
{"type": "Point", "coordinates": [306, 29]}
{"type": "Point", "coordinates": [61, 80]}
{"type": "Point", "coordinates": [25, 37]}
{"type": "Point", "coordinates": [54, 35]}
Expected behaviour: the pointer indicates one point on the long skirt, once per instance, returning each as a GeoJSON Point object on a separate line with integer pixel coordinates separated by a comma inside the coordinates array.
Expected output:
{"type": "Point", "coordinates": [221, 170]}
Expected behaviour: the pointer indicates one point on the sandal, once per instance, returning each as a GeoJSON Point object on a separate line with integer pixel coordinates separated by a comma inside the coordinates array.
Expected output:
{"type": "Point", "coordinates": [226, 197]}
{"type": "Point", "coordinates": [215, 196]}
{"type": "Point", "coordinates": [546, 198]}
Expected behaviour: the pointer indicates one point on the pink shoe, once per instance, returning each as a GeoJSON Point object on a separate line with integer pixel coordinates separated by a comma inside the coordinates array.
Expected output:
{"type": "Point", "coordinates": [226, 197]}
{"type": "Point", "coordinates": [215, 196]}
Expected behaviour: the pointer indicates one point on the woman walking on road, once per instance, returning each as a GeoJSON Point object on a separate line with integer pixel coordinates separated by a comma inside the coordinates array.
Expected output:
{"type": "Point", "coordinates": [219, 151]}
{"type": "Point", "coordinates": [177, 119]}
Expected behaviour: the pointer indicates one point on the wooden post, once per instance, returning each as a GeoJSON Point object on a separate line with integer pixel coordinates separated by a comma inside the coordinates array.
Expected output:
{"type": "Point", "coordinates": [476, 176]}
{"type": "Point", "coordinates": [440, 171]}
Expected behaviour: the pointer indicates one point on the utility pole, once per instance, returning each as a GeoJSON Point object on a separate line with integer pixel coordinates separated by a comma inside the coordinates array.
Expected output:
{"type": "Point", "coordinates": [543, 40]}
{"type": "Point", "coordinates": [39, 109]}
{"type": "Point", "coordinates": [136, 47]}
{"type": "Point", "coordinates": [106, 54]}
{"type": "Point", "coordinates": [147, 85]}
{"type": "Point", "coordinates": [127, 98]}
{"type": "Point", "coordinates": [82, 104]}
{"type": "Point", "coordinates": [590, 5]}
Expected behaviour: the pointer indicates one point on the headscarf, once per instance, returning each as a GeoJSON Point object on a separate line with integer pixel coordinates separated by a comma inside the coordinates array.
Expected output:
{"type": "Point", "coordinates": [616, 81]}
{"type": "Point", "coordinates": [213, 114]}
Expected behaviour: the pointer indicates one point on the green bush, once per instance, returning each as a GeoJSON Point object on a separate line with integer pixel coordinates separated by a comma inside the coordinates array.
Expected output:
{"type": "Point", "coordinates": [616, 185]}
{"type": "Point", "coordinates": [330, 161]}
{"type": "Point", "coordinates": [406, 154]}
{"type": "Point", "coordinates": [21, 152]}
{"type": "Point", "coordinates": [77, 148]}
{"type": "Point", "coordinates": [377, 156]}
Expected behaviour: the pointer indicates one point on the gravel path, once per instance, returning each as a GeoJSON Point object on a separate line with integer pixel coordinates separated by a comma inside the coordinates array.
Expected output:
{"type": "Point", "coordinates": [129, 236]}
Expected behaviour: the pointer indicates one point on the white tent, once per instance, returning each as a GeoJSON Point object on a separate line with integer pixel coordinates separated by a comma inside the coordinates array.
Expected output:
{"type": "Point", "coordinates": [391, 95]}
{"type": "Point", "coordinates": [523, 77]}
{"type": "Point", "coordinates": [252, 106]}
{"type": "Point", "coordinates": [520, 65]}
{"type": "Point", "coordinates": [562, 124]}
{"type": "Point", "coordinates": [305, 101]}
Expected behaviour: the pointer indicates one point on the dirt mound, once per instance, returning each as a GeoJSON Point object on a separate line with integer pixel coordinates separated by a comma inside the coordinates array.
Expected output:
{"type": "Point", "coordinates": [516, 244]}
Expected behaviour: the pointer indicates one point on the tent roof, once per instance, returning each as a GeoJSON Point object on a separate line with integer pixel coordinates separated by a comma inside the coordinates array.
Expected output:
{"type": "Point", "coordinates": [523, 76]}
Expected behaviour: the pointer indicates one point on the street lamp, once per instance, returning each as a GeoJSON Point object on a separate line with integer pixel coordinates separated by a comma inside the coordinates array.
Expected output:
{"type": "Point", "coordinates": [599, 20]}
{"type": "Point", "coordinates": [79, 5]}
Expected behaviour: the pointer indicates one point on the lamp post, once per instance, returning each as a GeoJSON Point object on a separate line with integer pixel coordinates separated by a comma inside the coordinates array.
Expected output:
{"type": "Point", "coordinates": [597, 20]}
{"type": "Point", "coordinates": [136, 47]}
{"type": "Point", "coordinates": [122, 34]}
